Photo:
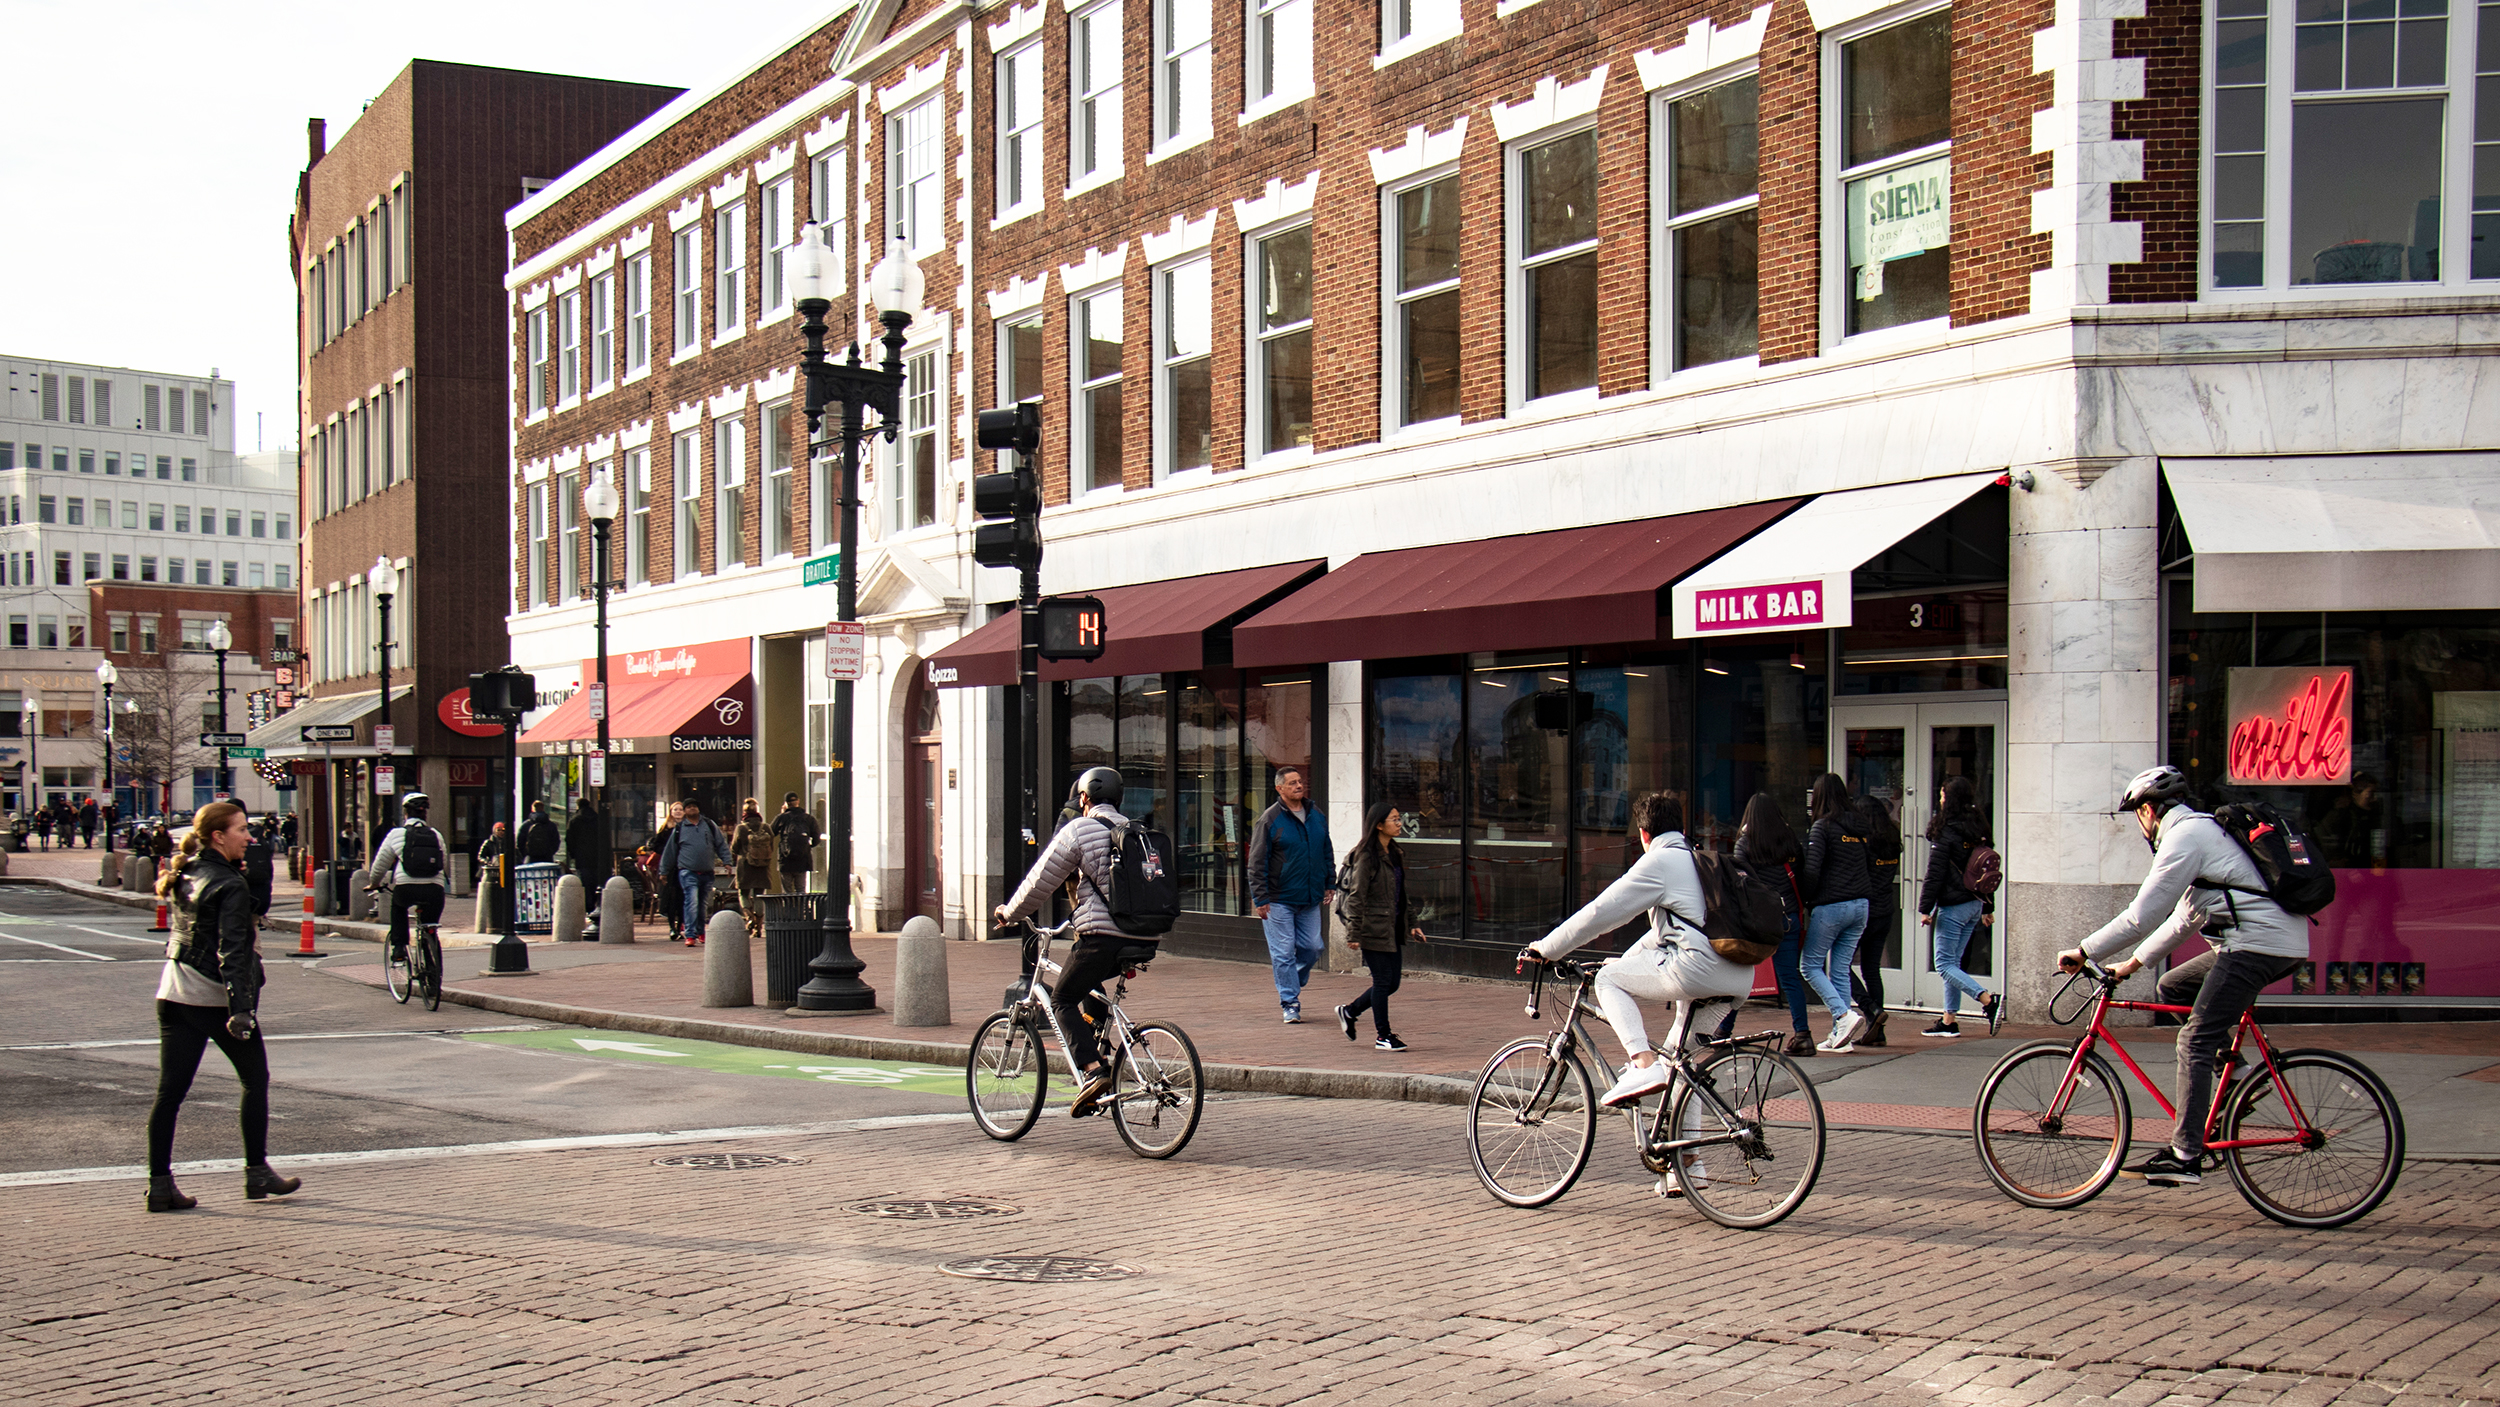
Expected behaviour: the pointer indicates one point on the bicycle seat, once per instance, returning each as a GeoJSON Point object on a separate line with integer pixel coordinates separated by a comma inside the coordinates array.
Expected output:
{"type": "Point", "coordinates": [1138, 954]}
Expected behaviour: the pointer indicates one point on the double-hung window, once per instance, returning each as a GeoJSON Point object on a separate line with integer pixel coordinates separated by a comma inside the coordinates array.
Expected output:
{"type": "Point", "coordinates": [567, 586]}
{"type": "Point", "coordinates": [914, 148]}
{"type": "Point", "coordinates": [1184, 71]}
{"type": "Point", "coordinates": [1020, 130]}
{"type": "Point", "coordinates": [638, 515]}
{"type": "Point", "coordinates": [569, 348]}
{"type": "Point", "coordinates": [780, 232]}
{"type": "Point", "coordinates": [637, 314]}
{"type": "Point", "coordinates": [1406, 25]}
{"type": "Point", "coordinates": [829, 205]}
{"type": "Point", "coordinates": [1281, 344]}
{"type": "Point", "coordinates": [534, 591]}
{"type": "Point", "coordinates": [781, 497]}
{"type": "Point", "coordinates": [729, 508]}
{"type": "Point", "coordinates": [688, 464]}
{"type": "Point", "coordinates": [924, 442]}
{"type": "Point", "coordinates": [1184, 398]}
{"type": "Point", "coordinates": [1095, 324]}
{"type": "Point", "coordinates": [1094, 82]}
{"type": "Point", "coordinates": [688, 264]}
{"type": "Point", "coordinates": [1279, 55]}
{"type": "Point", "coordinates": [1020, 360]}
{"type": "Point", "coordinates": [1709, 270]}
{"type": "Point", "coordinates": [1894, 151]}
{"type": "Point", "coordinates": [729, 288]}
{"type": "Point", "coordinates": [1421, 338]}
{"type": "Point", "coordinates": [602, 332]}
{"type": "Point", "coordinates": [1554, 266]}
{"type": "Point", "coordinates": [2344, 135]}
{"type": "Point", "coordinates": [534, 357]}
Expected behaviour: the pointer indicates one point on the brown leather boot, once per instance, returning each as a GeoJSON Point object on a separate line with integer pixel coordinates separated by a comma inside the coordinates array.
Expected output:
{"type": "Point", "coordinates": [163, 1196]}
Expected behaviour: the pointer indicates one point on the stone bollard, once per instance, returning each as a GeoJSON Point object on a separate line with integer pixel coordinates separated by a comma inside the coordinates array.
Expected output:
{"type": "Point", "coordinates": [4, 862]}
{"type": "Point", "coordinates": [359, 900]}
{"type": "Point", "coordinates": [489, 908]}
{"type": "Point", "coordinates": [567, 927]}
{"type": "Point", "coordinates": [110, 874]}
{"type": "Point", "coordinates": [138, 873]}
{"type": "Point", "coordinates": [920, 997]}
{"type": "Point", "coordinates": [728, 964]}
{"type": "Point", "coordinates": [616, 910]}
{"type": "Point", "coordinates": [461, 865]}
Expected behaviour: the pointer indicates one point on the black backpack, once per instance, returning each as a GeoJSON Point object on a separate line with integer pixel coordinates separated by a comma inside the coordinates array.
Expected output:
{"type": "Point", "coordinates": [420, 852]}
{"type": "Point", "coordinates": [1145, 892]}
{"type": "Point", "coordinates": [2296, 874]}
{"type": "Point", "coordinates": [796, 844]}
{"type": "Point", "coordinates": [1742, 915]}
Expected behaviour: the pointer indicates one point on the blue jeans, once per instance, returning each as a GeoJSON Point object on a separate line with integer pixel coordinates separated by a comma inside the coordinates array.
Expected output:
{"type": "Point", "coordinates": [1832, 933]}
{"type": "Point", "coordinates": [1294, 947]}
{"type": "Point", "coordinates": [1784, 966]}
{"type": "Point", "coordinates": [698, 891]}
{"type": "Point", "coordinates": [1955, 924]}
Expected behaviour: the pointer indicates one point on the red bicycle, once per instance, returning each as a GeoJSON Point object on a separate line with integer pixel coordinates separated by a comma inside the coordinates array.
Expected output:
{"type": "Point", "coordinates": [2311, 1138]}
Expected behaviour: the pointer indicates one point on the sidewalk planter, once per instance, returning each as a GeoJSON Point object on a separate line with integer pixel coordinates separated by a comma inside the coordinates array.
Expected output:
{"type": "Point", "coordinates": [534, 895]}
{"type": "Point", "coordinates": [794, 927]}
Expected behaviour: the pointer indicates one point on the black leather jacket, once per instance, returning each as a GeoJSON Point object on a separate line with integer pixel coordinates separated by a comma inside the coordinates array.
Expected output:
{"type": "Point", "coordinates": [215, 930]}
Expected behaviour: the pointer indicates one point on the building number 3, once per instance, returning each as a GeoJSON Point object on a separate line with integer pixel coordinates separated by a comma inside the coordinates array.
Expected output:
{"type": "Point", "coordinates": [1918, 615]}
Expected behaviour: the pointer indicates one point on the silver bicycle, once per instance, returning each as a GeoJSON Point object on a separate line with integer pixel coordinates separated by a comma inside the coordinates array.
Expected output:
{"type": "Point", "coordinates": [1158, 1086]}
{"type": "Point", "coordinates": [1738, 1132]}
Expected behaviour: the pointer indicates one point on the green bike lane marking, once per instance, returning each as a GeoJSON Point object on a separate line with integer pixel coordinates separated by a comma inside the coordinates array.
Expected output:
{"type": "Point", "coordinates": [738, 1059]}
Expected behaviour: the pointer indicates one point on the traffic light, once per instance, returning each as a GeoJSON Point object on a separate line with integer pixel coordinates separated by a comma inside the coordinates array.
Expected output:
{"type": "Point", "coordinates": [502, 693]}
{"type": "Point", "coordinates": [1009, 502]}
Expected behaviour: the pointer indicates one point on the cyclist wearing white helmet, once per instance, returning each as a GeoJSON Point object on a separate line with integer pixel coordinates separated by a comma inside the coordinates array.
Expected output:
{"type": "Point", "coordinates": [408, 865]}
{"type": "Point", "coordinates": [2202, 882]}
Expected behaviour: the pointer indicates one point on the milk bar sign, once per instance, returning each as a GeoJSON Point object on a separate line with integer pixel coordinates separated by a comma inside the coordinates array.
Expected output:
{"type": "Point", "coordinates": [1779, 605]}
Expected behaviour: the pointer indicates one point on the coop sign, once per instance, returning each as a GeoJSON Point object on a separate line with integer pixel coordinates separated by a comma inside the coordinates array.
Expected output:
{"type": "Point", "coordinates": [2290, 727]}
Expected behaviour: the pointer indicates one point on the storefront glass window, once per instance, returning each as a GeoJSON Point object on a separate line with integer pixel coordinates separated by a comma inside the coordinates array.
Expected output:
{"type": "Point", "coordinates": [1928, 643]}
{"type": "Point", "coordinates": [1413, 752]}
{"type": "Point", "coordinates": [1518, 769]}
{"type": "Point", "coordinates": [1144, 703]}
{"type": "Point", "coordinates": [1761, 715]}
{"type": "Point", "coordinates": [1630, 738]}
{"type": "Point", "coordinates": [1209, 816]}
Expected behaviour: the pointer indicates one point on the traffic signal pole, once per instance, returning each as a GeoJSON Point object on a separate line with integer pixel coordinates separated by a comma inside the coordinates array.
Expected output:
{"type": "Point", "coordinates": [1016, 497]}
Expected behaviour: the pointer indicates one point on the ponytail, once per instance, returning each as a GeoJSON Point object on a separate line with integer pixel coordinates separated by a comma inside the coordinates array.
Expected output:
{"type": "Point", "coordinates": [207, 821]}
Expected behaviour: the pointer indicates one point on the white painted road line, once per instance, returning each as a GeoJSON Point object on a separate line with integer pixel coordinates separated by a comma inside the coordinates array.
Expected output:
{"type": "Point", "coordinates": [303, 1036]}
{"type": "Point", "coordinates": [56, 947]}
{"type": "Point", "coordinates": [135, 1172]}
{"type": "Point", "coordinates": [30, 920]}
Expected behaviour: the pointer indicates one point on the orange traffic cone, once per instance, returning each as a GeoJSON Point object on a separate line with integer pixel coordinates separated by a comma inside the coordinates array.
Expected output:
{"type": "Point", "coordinates": [161, 925]}
{"type": "Point", "coordinates": [306, 950]}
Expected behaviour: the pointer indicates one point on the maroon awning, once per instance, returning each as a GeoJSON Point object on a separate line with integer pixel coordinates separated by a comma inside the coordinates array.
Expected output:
{"type": "Point", "coordinates": [1155, 627]}
{"type": "Point", "coordinates": [1577, 586]}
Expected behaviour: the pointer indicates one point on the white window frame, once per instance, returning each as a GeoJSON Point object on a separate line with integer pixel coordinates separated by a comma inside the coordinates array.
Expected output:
{"type": "Point", "coordinates": [924, 419]}
{"type": "Point", "coordinates": [602, 333]}
{"type": "Point", "coordinates": [729, 272]}
{"type": "Point", "coordinates": [1096, 99]}
{"type": "Point", "coordinates": [567, 527]}
{"type": "Point", "coordinates": [915, 188]}
{"type": "Point", "coordinates": [781, 230]}
{"type": "Point", "coordinates": [1080, 408]}
{"type": "Point", "coordinates": [687, 277]}
{"type": "Point", "coordinates": [780, 524]}
{"type": "Point", "coordinates": [1256, 339]}
{"type": "Point", "coordinates": [534, 591]}
{"type": "Point", "coordinates": [686, 480]}
{"type": "Point", "coordinates": [1168, 293]}
{"type": "Point", "coordinates": [1411, 26]}
{"type": "Point", "coordinates": [729, 478]}
{"type": "Point", "coordinates": [638, 316]}
{"type": "Point", "coordinates": [1834, 317]}
{"type": "Point", "coordinates": [1020, 106]}
{"type": "Point", "coordinates": [1515, 266]}
{"type": "Point", "coordinates": [533, 362]}
{"type": "Point", "coordinates": [1003, 345]}
{"type": "Point", "coordinates": [1290, 87]}
{"type": "Point", "coordinates": [569, 348]}
{"type": "Point", "coordinates": [829, 201]}
{"type": "Point", "coordinates": [1665, 225]}
{"type": "Point", "coordinates": [637, 517]}
{"type": "Point", "coordinates": [1393, 302]}
{"type": "Point", "coordinates": [1184, 74]}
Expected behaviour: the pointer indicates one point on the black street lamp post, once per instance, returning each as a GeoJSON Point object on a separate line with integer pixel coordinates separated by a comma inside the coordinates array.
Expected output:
{"type": "Point", "coordinates": [108, 676]}
{"type": "Point", "coordinates": [221, 640]}
{"type": "Point", "coordinates": [895, 287]}
{"type": "Point", "coordinates": [602, 501]}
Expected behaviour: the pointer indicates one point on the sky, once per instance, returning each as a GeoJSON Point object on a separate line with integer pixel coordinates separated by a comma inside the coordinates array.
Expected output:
{"type": "Point", "coordinates": [152, 152]}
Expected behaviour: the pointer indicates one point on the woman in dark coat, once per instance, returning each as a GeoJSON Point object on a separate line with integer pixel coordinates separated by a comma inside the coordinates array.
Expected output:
{"type": "Point", "coordinates": [210, 991]}
{"type": "Point", "coordinates": [1947, 904]}
{"type": "Point", "coordinates": [1839, 879]}
{"type": "Point", "coordinates": [1376, 914]}
{"type": "Point", "coordinates": [1883, 910]}
{"type": "Point", "coordinates": [1765, 844]}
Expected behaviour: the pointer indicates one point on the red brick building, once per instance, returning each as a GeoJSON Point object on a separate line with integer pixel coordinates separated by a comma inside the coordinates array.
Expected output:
{"type": "Point", "coordinates": [158, 639]}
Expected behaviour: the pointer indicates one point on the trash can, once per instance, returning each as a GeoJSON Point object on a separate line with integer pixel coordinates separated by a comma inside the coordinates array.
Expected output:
{"type": "Point", "coordinates": [794, 933]}
{"type": "Point", "coordinates": [534, 894]}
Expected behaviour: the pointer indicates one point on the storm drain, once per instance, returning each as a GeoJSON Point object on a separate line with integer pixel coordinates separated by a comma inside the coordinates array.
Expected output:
{"type": "Point", "coordinates": [731, 1162]}
{"type": "Point", "coordinates": [1039, 1270]}
{"type": "Point", "coordinates": [934, 1208]}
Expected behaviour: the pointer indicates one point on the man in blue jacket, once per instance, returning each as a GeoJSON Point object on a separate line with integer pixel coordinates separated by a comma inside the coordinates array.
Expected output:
{"type": "Point", "coordinates": [1293, 876]}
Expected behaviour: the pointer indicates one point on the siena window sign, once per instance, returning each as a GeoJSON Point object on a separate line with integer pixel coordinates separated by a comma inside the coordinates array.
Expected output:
{"type": "Point", "coordinates": [1898, 214]}
{"type": "Point", "coordinates": [2291, 727]}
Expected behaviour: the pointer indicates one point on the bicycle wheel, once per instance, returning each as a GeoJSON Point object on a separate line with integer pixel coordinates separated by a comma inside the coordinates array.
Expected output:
{"type": "Point", "coordinates": [1158, 1090]}
{"type": "Point", "coordinates": [2043, 1159]}
{"type": "Point", "coordinates": [1531, 1121]}
{"type": "Point", "coordinates": [430, 969]}
{"type": "Point", "coordinates": [397, 973]}
{"type": "Point", "coordinates": [1006, 1077]}
{"type": "Point", "coordinates": [2352, 1144]}
{"type": "Point", "coordinates": [1776, 1147]}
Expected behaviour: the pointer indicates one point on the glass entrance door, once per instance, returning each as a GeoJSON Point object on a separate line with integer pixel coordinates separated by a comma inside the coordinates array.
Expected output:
{"type": "Point", "coordinates": [1904, 753]}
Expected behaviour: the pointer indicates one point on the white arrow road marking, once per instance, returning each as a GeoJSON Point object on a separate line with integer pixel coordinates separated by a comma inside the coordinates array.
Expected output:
{"type": "Point", "coordinates": [629, 1047]}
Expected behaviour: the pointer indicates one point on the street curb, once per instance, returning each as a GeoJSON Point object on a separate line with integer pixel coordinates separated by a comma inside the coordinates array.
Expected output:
{"type": "Point", "coordinates": [1247, 1079]}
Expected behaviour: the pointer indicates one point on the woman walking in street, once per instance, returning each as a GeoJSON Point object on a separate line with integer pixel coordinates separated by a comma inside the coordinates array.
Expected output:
{"type": "Point", "coordinates": [1764, 844]}
{"type": "Point", "coordinates": [1376, 918]}
{"type": "Point", "coordinates": [1839, 877]}
{"type": "Point", "coordinates": [1883, 911]}
{"type": "Point", "coordinates": [210, 991]}
{"type": "Point", "coordinates": [1946, 902]}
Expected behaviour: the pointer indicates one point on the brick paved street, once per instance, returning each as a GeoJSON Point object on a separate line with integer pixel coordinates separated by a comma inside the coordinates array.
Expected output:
{"type": "Point", "coordinates": [1299, 1251]}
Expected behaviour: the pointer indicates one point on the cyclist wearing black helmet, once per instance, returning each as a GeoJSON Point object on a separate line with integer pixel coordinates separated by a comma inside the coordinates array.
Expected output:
{"type": "Point", "coordinates": [1084, 853]}
{"type": "Point", "coordinates": [2202, 882]}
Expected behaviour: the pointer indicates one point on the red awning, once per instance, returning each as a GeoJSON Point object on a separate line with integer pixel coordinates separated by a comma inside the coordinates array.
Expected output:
{"type": "Point", "coordinates": [1578, 586]}
{"type": "Point", "coordinates": [1155, 627]}
{"type": "Point", "coordinates": [706, 705]}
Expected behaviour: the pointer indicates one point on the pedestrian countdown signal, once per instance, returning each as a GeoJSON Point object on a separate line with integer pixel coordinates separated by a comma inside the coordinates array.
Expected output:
{"type": "Point", "coordinates": [1072, 628]}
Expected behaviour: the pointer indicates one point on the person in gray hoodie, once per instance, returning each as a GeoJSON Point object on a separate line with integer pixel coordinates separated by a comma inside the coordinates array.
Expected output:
{"type": "Point", "coordinates": [2203, 882]}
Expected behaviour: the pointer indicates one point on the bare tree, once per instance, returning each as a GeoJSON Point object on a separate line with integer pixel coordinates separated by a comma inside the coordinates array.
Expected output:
{"type": "Point", "coordinates": [158, 742]}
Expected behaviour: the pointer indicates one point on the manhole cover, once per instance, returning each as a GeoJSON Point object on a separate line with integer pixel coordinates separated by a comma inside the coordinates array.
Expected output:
{"type": "Point", "coordinates": [934, 1208]}
{"type": "Point", "coordinates": [734, 1162]}
{"type": "Point", "coordinates": [1044, 1270]}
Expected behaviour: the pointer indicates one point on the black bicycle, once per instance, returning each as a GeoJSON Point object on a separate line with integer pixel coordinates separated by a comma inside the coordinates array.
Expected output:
{"type": "Point", "coordinates": [1738, 1133]}
{"type": "Point", "coordinates": [417, 969]}
{"type": "Point", "coordinates": [1158, 1086]}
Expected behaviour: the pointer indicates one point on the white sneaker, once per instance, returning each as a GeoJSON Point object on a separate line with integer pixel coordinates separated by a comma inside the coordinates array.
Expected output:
{"type": "Point", "coordinates": [1844, 1033]}
{"type": "Point", "coordinates": [1673, 1184]}
{"type": "Point", "coordinates": [1637, 1081]}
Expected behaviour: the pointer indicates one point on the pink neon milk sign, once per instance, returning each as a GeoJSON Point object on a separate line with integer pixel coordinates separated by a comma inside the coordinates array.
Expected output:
{"type": "Point", "coordinates": [1788, 603]}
